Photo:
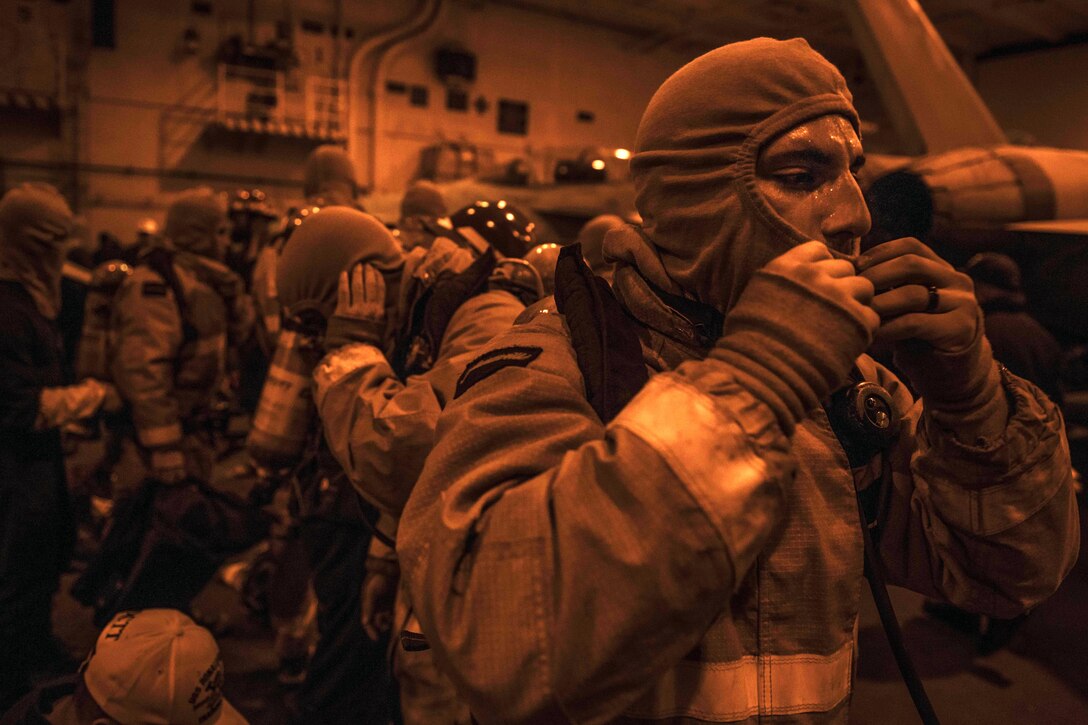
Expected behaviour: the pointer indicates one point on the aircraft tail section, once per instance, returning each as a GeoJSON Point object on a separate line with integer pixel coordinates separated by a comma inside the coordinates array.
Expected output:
{"type": "Point", "coordinates": [932, 105]}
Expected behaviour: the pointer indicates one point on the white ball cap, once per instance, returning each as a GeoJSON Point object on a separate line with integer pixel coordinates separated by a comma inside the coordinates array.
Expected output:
{"type": "Point", "coordinates": [158, 666]}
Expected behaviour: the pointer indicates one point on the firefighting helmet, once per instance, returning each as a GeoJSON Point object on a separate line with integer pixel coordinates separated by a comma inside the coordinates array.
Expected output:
{"type": "Point", "coordinates": [330, 173]}
{"type": "Point", "coordinates": [423, 199]}
{"type": "Point", "coordinates": [501, 224]}
{"type": "Point", "coordinates": [543, 258]}
{"type": "Point", "coordinates": [519, 278]}
{"type": "Point", "coordinates": [295, 217]}
{"type": "Point", "coordinates": [110, 274]}
{"type": "Point", "coordinates": [195, 222]}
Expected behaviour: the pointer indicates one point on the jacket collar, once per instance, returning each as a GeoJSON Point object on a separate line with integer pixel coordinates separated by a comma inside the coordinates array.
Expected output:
{"type": "Point", "coordinates": [674, 329]}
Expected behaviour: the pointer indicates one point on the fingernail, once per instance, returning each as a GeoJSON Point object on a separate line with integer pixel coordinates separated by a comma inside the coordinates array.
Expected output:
{"type": "Point", "coordinates": [862, 262]}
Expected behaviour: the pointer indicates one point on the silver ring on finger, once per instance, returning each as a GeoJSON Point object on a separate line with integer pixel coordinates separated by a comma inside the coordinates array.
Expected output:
{"type": "Point", "coordinates": [934, 299]}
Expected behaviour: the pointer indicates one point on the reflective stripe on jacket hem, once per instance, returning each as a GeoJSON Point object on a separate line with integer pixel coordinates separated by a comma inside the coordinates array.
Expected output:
{"type": "Point", "coordinates": [162, 435]}
{"type": "Point", "coordinates": [739, 689]}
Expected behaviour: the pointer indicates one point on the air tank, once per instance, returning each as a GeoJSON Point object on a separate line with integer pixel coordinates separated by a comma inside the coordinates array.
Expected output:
{"type": "Point", "coordinates": [285, 413]}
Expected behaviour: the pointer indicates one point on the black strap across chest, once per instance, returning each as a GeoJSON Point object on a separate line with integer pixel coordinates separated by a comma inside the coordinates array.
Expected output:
{"type": "Point", "coordinates": [605, 339]}
{"type": "Point", "coordinates": [161, 261]}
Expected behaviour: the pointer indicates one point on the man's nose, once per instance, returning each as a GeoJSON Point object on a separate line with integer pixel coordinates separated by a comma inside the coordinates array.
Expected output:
{"type": "Point", "coordinates": [849, 215]}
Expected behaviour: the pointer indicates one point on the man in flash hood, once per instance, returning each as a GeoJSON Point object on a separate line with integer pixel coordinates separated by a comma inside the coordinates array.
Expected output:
{"type": "Point", "coordinates": [36, 531]}
{"type": "Point", "coordinates": [347, 680]}
{"type": "Point", "coordinates": [174, 319]}
{"type": "Point", "coordinates": [330, 178]}
{"type": "Point", "coordinates": [636, 508]}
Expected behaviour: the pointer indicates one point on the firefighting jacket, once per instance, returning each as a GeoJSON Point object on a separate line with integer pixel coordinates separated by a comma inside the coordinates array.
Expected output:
{"type": "Point", "coordinates": [167, 365]}
{"type": "Point", "coordinates": [688, 561]}
{"type": "Point", "coordinates": [381, 428]}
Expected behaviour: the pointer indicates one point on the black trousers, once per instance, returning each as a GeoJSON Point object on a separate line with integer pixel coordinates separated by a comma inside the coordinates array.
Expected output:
{"type": "Point", "coordinates": [348, 680]}
{"type": "Point", "coordinates": [35, 539]}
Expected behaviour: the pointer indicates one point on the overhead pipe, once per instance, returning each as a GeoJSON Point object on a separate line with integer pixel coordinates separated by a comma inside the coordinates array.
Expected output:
{"type": "Point", "coordinates": [421, 19]}
{"type": "Point", "coordinates": [428, 15]}
{"type": "Point", "coordinates": [355, 69]}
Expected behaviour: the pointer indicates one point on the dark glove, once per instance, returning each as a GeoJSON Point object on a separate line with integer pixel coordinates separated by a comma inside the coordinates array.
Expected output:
{"type": "Point", "coordinates": [360, 309]}
{"type": "Point", "coordinates": [794, 334]}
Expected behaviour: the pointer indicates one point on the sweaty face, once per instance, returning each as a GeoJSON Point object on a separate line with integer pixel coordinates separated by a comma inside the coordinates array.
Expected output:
{"type": "Point", "coordinates": [808, 176]}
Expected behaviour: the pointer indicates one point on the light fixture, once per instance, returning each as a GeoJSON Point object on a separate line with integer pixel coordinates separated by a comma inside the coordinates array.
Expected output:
{"type": "Point", "coordinates": [598, 164]}
{"type": "Point", "coordinates": [622, 154]}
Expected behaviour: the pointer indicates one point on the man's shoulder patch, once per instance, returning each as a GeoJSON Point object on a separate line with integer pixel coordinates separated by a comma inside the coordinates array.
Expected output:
{"type": "Point", "coordinates": [153, 289]}
{"type": "Point", "coordinates": [493, 361]}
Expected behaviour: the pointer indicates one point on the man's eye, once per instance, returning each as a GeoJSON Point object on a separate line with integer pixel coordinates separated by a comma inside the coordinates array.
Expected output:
{"type": "Point", "coordinates": [796, 179]}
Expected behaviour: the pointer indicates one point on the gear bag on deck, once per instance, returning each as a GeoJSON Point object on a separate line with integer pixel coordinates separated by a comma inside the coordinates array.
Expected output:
{"type": "Point", "coordinates": [165, 544]}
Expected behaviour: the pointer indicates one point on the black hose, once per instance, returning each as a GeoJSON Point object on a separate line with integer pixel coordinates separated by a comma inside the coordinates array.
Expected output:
{"type": "Point", "coordinates": [874, 572]}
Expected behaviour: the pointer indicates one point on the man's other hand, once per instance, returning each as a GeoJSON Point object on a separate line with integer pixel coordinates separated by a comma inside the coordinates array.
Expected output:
{"type": "Point", "coordinates": [920, 296]}
{"type": "Point", "coordinates": [360, 308]}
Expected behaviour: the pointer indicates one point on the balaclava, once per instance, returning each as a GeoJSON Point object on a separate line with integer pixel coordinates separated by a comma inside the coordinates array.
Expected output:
{"type": "Point", "coordinates": [35, 222]}
{"type": "Point", "coordinates": [423, 199]}
{"type": "Point", "coordinates": [591, 237]}
{"type": "Point", "coordinates": [324, 245]}
{"type": "Point", "coordinates": [706, 229]}
{"type": "Point", "coordinates": [194, 220]}
{"type": "Point", "coordinates": [330, 176]}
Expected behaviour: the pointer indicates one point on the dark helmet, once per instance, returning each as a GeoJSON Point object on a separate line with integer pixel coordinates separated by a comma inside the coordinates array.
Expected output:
{"type": "Point", "coordinates": [543, 258]}
{"type": "Point", "coordinates": [295, 217]}
{"type": "Point", "coordinates": [993, 268]}
{"type": "Point", "coordinates": [109, 275]}
{"type": "Point", "coordinates": [997, 279]}
{"type": "Point", "coordinates": [502, 225]}
{"type": "Point", "coordinates": [251, 202]}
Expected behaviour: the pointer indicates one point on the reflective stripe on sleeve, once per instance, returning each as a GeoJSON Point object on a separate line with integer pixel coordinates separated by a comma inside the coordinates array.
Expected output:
{"type": "Point", "coordinates": [340, 362]}
{"type": "Point", "coordinates": [739, 689]}
{"type": "Point", "coordinates": [162, 435]}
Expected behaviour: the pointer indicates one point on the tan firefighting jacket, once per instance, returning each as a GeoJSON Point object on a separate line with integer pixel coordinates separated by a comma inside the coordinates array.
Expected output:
{"type": "Point", "coordinates": [381, 429]}
{"type": "Point", "coordinates": [688, 562]}
{"type": "Point", "coordinates": [166, 376]}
